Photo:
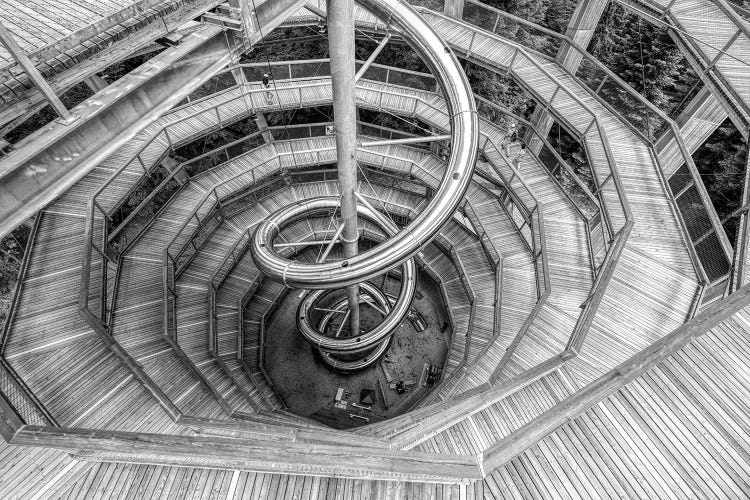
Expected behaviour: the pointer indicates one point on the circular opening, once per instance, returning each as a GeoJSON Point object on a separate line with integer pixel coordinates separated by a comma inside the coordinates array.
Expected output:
{"type": "Point", "coordinates": [455, 176]}
{"type": "Point", "coordinates": [345, 263]}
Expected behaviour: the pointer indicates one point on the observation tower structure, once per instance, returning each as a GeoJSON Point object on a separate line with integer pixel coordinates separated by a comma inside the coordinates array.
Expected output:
{"type": "Point", "coordinates": [191, 226]}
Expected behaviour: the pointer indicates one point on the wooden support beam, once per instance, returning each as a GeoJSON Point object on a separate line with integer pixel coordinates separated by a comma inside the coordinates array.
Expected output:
{"type": "Point", "coordinates": [315, 10]}
{"type": "Point", "coordinates": [245, 9]}
{"type": "Point", "coordinates": [51, 160]}
{"type": "Point", "coordinates": [580, 29]}
{"type": "Point", "coordinates": [262, 123]}
{"type": "Point", "coordinates": [256, 455]}
{"type": "Point", "coordinates": [171, 165]}
{"type": "Point", "coordinates": [34, 75]}
{"type": "Point", "coordinates": [454, 8]}
{"type": "Point", "coordinates": [519, 441]}
{"type": "Point", "coordinates": [700, 118]}
{"type": "Point", "coordinates": [108, 50]}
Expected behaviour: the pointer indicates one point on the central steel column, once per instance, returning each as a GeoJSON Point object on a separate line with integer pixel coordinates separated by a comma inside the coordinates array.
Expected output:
{"type": "Point", "coordinates": [341, 48]}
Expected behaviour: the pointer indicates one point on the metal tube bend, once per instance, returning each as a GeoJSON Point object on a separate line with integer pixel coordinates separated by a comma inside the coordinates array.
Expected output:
{"type": "Point", "coordinates": [314, 206]}
{"type": "Point", "coordinates": [408, 242]}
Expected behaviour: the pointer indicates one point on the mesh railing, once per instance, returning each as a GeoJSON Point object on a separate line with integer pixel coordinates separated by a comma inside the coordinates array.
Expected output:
{"type": "Point", "coordinates": [21, 399]}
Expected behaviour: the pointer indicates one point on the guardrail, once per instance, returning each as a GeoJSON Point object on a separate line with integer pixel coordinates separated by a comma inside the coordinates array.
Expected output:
{"type": "Point", "coordinates": [215, 282]}
{"type": "Point", "coordinates": [171, 263]}
{"type": "Point", "coordinates": [708, 245]}
{"type": "Point", "coordinates": [19, 283]}
{"type": "Point", "coordinates": [171, 269]}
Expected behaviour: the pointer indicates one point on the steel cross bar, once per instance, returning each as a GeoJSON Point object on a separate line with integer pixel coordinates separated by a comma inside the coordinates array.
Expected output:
{"type": "Point", "coordinates": [408, 140]}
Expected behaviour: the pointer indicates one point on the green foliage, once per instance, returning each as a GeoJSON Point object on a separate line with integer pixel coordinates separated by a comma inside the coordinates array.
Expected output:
{"type": "Point", "coordinates": [500, 89]}
{"type": "Point", "coordinates": [12, 248]}
{"type": "Point", "coordinates": [721, 162]}
{"type": "Point", "coordinates": [644, 56]}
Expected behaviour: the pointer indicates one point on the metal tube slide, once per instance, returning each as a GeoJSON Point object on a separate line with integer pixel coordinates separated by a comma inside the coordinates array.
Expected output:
{"type": "Point", "coordinates": [408, 242]}
{"type": "Point", "coordinates": [370, 293]}
{"type": "Point", "coordinates": [316, 206]}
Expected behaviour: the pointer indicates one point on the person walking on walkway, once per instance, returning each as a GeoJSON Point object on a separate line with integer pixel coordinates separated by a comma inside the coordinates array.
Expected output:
{"type": "Point", "coordinates": [267, 84]}
{"type": "Point", "coordinates": [510, 137]}
{"type": "Point", "coordinates": [519, 157]}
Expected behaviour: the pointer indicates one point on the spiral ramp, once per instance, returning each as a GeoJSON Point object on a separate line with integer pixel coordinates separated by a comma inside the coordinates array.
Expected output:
{"type": "Point", "coordinates": [590, 356]}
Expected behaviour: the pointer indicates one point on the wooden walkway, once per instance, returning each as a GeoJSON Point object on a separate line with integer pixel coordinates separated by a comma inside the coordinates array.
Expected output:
{"type": "Point", "coordinates": [677, 430]}
{"type": "Point", "coordinates": [147, 249]}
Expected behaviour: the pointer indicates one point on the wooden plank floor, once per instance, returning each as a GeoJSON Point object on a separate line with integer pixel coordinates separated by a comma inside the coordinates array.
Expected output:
{"type": "Point", "coordinates": [131, 481]}
{"type": "Point", "coordinates": [679, 431]}
{"type": "Point", "coordinates": [703, 387]}
{"type": "Point", "coordinates": [563, 253]}
{"type": "Point", "coordinates": [36, 25]}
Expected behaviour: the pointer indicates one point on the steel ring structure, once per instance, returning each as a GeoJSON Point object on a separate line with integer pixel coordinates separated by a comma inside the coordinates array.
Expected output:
{"type": "Point", "coordinates": [356, 344]}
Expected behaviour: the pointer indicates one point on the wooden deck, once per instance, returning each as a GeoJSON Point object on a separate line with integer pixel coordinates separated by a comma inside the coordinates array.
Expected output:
{"type": "Point", "coordinates": [675, 429]}
{"type": "Point", "coordinates": [37, 25]}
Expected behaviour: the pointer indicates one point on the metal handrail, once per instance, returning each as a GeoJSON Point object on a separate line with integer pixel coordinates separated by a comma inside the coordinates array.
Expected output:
{"type": "Point", "coordinates": [291, 153]}
{"type": "Point", "coordinates": [546, 277]}
{"type": "Point", "coordinates": [19, 283]}
{"type": "Point", "coordinates": [675, 130]}
{"type": "Point", "coordinates": [687, 157]}
{"type": "Point", "coordinates": [215, 281]}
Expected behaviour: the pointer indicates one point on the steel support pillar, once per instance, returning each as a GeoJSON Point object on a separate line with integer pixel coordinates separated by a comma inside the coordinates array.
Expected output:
{"type": "Point", "coordinates": [341, 47]}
